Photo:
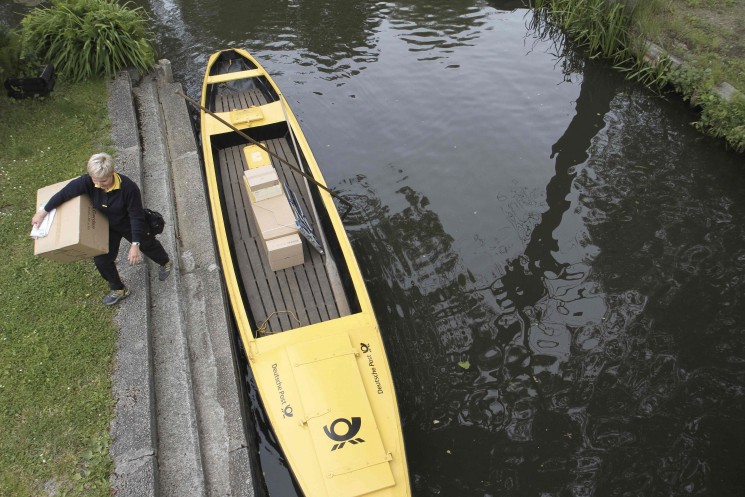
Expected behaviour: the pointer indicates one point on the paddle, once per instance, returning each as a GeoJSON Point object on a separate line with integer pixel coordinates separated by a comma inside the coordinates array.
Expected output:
{"type": "Point", "coordinates": [280, 159]}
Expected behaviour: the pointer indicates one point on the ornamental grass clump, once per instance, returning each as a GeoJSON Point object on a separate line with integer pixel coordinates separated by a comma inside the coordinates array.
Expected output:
{"type": "Point", "coordinates": [87, 38]}
{"type": "Point", "coordinates": [14, 62]}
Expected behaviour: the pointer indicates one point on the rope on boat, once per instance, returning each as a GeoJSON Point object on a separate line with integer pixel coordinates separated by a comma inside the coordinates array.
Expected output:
{"type": "Point", "coordinates": [262, 330]}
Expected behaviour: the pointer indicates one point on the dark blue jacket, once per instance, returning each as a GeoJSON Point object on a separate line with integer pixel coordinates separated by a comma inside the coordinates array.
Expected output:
{"type": "Point", "coordinates": [123, 207]}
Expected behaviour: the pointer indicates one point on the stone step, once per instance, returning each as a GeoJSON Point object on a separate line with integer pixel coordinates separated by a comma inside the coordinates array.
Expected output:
{"type": "Point", "coordinates": [178, 427]}
{"type": "Point", "coordinates": [132, 450]}
{"type": "Point", "coordinates": [225, 454]}
{"type": "Point", "coordinates": [180, 469]}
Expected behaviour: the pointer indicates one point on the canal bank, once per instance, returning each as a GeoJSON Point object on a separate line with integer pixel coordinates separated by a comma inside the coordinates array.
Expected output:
{"type": "Point", "coordinates": [178, 428]}
{"type": "Point", "coordinates": [696, 49]}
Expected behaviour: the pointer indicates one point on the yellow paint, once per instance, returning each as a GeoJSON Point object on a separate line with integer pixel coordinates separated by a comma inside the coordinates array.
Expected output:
{"type": "Point", "coordinates": [256, 157]}
{"type": "Point", "coordinates": [271, 113]}
{"type": "Point", "coordinates": [233, 76]}
{"type": "Point", "coordinates": [245, 116]}
{"type": "Point", "coordinates": [327, 377]}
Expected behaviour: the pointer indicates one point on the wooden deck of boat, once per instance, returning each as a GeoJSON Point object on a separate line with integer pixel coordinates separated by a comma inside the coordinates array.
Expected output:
{"type": "Point", "coordinates": [290, 298]}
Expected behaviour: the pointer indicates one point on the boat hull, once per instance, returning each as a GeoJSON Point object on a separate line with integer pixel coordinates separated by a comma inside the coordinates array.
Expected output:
{"type": "Point", "coordinates": [320, 367]}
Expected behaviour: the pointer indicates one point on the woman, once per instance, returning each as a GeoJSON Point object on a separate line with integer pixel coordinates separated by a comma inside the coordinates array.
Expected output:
{"type": "Point", "coordinates": [120, 200]}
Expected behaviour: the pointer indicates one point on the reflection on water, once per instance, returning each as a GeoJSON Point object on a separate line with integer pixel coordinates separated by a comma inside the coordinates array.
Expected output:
{"type": "Point", "coordinates": [509, 374]}
{"type": "Point", "coordinates": [555, 258]}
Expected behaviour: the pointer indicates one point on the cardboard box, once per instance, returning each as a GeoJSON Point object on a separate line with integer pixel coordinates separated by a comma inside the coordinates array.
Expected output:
{"type": "Point", "coordinates": [256, 157]}
{"type": "Point", "coordinates": [284, 252]}
{"type": "Point", "coordinates": [78, 230]}
{"type": "Point", "coordinates": [262, 183]}
{"type": "Point", "coordinates": [274, 217]}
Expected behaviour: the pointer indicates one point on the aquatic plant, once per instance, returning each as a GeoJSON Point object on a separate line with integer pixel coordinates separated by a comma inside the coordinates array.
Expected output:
{"type": "Point", "coordinates": [601, 27]}
{"type": "Point", "coordinates": [719, 117]}
{"type": "Point", "coordinates": [86, 38]}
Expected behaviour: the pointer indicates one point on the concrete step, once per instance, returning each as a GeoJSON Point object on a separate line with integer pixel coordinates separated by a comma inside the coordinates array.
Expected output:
{"type": "Point", "coordinates": [225, 454]}
{"type": "Point", "coordinates": [133, 431]}
{"type": "Point", "coordinates": [180, 469]}
{"type": "Point", "coordinates": [178, 428]}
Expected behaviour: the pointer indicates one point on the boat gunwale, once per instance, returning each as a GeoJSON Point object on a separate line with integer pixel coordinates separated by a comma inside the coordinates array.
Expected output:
{"type": "Point", "coordinates": [255, 346]}
{"type": "Point", "coordinates": [238, 303]}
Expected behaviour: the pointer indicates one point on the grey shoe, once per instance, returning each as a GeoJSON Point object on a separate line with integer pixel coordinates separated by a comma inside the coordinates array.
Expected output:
{"type": "Point", "coordinates": [165, 271]}
{"type": "Point", "coordinates": [115, 296]}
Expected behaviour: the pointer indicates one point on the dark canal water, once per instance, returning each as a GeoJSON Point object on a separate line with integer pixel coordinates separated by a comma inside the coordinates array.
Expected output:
{"type": "Point", "coordinates": [556, 258]}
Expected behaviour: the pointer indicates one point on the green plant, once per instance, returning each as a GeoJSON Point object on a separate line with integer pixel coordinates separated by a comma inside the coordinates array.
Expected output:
{"type": "Point", "coordinates": [719, 118]}
{"type": "Point", "coordinates": [86, 38]}
{"type": "Point", "coordinates": [723, 119]}
{"type": "Point", "coordinates": [601, 27]}
{"type": "Point", "coordinates": [14, 61]}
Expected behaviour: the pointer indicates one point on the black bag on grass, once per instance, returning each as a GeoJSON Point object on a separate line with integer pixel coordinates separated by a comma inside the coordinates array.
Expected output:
{"type": "Point", "coordinates": [155, 222]}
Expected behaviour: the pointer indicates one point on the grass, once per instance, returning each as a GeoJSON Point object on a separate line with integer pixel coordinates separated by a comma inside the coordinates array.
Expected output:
{"type": "Point", "coordinates": [56, 340]}
{"type": "Point", "coordinates": [704, 34]}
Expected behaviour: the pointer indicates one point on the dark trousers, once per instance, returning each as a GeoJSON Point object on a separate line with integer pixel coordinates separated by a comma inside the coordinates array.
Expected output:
{"type": "Point", "coordinates": [106, 264]}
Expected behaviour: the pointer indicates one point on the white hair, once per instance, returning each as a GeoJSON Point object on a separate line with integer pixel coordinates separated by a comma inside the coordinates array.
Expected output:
{"type": "Point", "coordinates": [100, 165]}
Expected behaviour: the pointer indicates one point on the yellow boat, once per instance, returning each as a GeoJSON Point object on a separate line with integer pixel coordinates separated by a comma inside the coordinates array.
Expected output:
{"type": "Point", "coordinates": [303, 312]}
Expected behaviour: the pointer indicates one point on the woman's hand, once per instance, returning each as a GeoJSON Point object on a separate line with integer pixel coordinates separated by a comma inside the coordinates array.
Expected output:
{"type": "Point", "coordinates": [38, 217]}
{"type": "Point", "coordinates": [134, 256]}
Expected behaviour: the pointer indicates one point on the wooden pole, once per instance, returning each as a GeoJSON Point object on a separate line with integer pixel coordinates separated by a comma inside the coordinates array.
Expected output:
{"type": "Point", "coordinates": [262, 147]}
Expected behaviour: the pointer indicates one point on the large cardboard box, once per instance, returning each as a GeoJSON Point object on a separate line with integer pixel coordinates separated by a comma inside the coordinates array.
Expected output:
{"type": "Point", "coordinates": [284, 252]}
{"type": "Point", "coordinates": [78, 231]}
{"type": "Point", "coordinates": [262, 183]}
{"type": "Point", "coordinates": [274, 217]}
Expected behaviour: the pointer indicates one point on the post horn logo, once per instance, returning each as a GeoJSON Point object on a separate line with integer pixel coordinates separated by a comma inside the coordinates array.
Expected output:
{"type": "Point", "coordinates": [364, 347]}
{"type": "Point", "coordinates": [353, 427]}
{"type": "Point", "coordinates": [287, 411]}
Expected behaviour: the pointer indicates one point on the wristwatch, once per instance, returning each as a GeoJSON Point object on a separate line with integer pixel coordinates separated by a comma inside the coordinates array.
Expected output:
{"type": "Point", "coordinates": [136, 244]}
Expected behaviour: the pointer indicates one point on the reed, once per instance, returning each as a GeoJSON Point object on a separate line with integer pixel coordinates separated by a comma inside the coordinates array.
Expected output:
{"type": "Point", "coordinates": [596, 25]}
{"type": "Point", "coordinates": [87, 38]}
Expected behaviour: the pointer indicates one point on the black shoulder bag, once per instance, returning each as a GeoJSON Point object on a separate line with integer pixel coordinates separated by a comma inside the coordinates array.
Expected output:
{"type": "Point", "coordinates": [155, 222]}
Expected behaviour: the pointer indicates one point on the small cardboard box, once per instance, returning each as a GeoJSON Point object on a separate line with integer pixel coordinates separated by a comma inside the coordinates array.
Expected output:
{"type": "Point", "coordinates": [78, 230]}
{"type": "Point", "coordinates": [274, 217]}
{"type": "Point", "coordinates": [284, 252]}
{"type": "Point", "coordinates": [256, 157]}
{"type": "Point", "coordinates": [262, 183]}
